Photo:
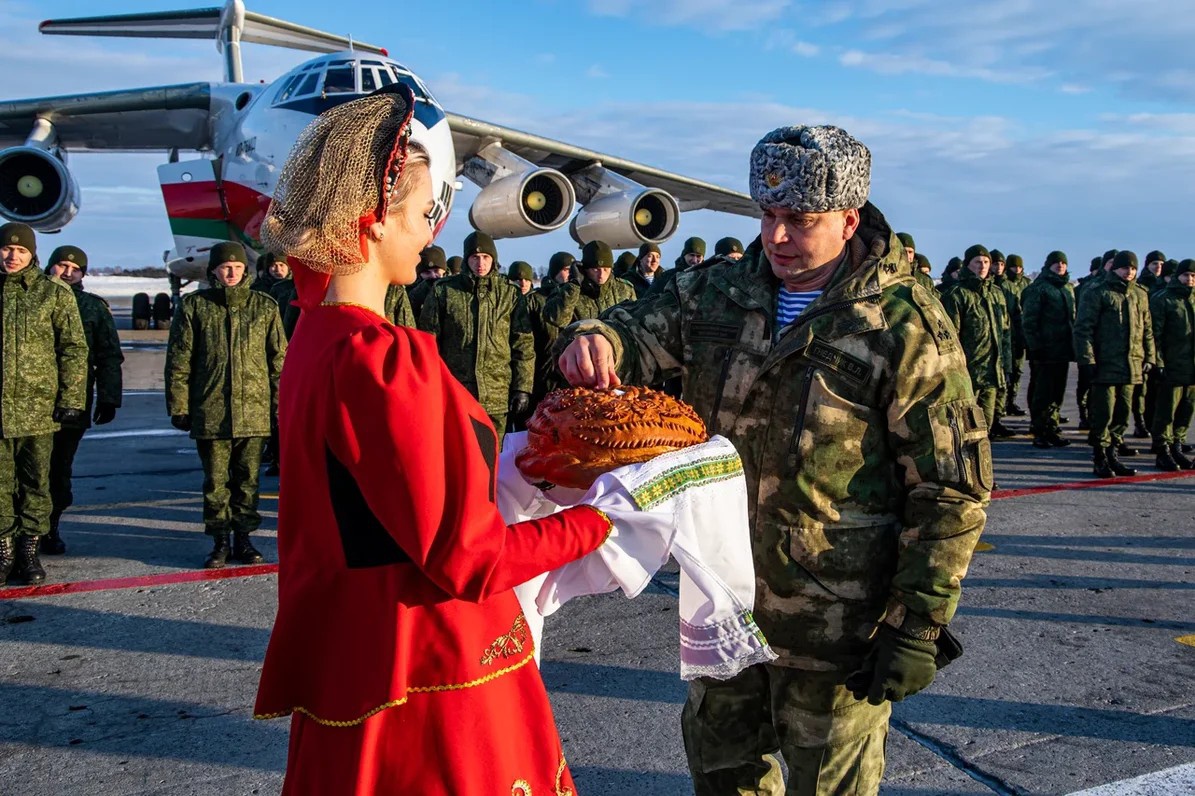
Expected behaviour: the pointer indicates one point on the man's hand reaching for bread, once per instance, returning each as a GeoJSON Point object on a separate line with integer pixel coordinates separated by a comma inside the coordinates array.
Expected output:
{"type": "Point", "coordinates": [589, 362]}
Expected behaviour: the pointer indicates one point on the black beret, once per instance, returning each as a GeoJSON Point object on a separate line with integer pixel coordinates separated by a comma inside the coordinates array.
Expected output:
{"type": "Point", "coordinates": [978, 250]}
{"type": "Point", "coordinates": [907, 240]}
{"type": "Point", "coordinates": [1055, 257]}
{"type": "Point", "coordinates": [480, 243]}
{"type": "Point", "coordinates": [226, 252]}
{"type": "Point", "coordinates": [70, 254]}
{"type": "Point", "coordinates": [561, 261]}
{"type": "Point", "coordinates": [728, 246]}
{"type": "Point", "coordinates": [16, 233]}
{"type": "Point", "coordinates": [1155, 255]}
{"type": "Point", "coordinates": [597, 254]}
{"type": "Point", "coordinates": [1124, 259]}
{"type": "Point", "coordinates": [648, 248]}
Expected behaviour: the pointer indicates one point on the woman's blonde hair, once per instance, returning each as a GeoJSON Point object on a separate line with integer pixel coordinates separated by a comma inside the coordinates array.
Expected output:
{"type": "Point", "coordinates": [334, 177]}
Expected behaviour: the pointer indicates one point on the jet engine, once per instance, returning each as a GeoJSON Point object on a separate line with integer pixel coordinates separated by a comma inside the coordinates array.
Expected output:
{"type": "Point", "coordinates": [528, 203]}
{"type": "Point", "coordinates": [36, 188]}
{"type": "Point", "coordinates": [627, 218]}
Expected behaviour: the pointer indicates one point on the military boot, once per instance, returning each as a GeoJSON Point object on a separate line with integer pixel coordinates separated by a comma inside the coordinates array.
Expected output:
{"type": "Point", "coordinates": [1125, 450]}
{"type": "Point", "coordinates": [28, 566]}
{"type": "Point", "coordinates": [51, 543]}
{"type": "Point", "coordinates": [1139, 429]}
{"type": "Point", "coordinates": [1056, 440]}
{"type": "Point", "coordinates": [1040, 441]}
{"type": "Point", "coordinates": [1014, 410]}
{"type": "Point", "coordinates": [1165, 462]}
{"type": "Point", "coordinates": [1099, 458]}
{"type": "Point", "coordinates": [1180, 458]}
{"type": "Point", "coordinates": [243, 550]}
{"type": "Point", "coordinates": [1114, 464]}
{"type": "Point", "coordinates": [219, 555]}
{"type": "Point", "coordinates": [8, 557]}
{"type": "Point", "coordinates": [1084, 419]}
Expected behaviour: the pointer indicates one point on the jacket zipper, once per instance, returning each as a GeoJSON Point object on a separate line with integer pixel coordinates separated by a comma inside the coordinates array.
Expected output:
{"type": "Point", "coordinates": [801, 321]}
{"type": "Point", "coordinates": [794, 442]}
{"type": "Point", "coordinates": [958, 448]}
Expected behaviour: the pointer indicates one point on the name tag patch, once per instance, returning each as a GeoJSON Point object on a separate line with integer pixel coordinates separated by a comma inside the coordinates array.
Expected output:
{"type": "Point", "coordinates": [843, 364]}
{"type": "Point", "coordinates": [711, 332]}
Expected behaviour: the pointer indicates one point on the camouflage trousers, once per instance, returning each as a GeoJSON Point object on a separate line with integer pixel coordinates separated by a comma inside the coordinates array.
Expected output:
{"type": "Point", "coordinates": [1012, 378]}
{"type": "Point", "coordinates": [25, 476]}
{"type": "Point", "coordinates": [231, 468]}
{"type": "Point", "coordinates": [499, 422]}
{"type": "Point", "coordinates": [1172, 412]}
{"type": "Point", "coordinates": [987, 398]}
{"type": "Point", "coordinates": [1047, 387]}
{"type": "Point", "coordinates": [62, 469]}
{"type": "Point", "coordinates": [734, 731]}
{"type": "Point", "coordinates": [1108, 405]}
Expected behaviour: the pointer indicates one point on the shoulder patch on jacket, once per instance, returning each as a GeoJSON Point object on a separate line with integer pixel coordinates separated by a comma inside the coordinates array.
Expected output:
{"type": "Point", "coordinates": [936, 322]}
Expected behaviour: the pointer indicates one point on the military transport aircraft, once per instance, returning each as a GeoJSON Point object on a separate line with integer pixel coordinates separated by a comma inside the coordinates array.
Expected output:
{"type": "Point", "coordinates": [244, 131]}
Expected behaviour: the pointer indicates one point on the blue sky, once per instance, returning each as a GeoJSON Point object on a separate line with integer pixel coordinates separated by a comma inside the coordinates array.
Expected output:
{"type": "Point", "coordinates": [1025, 126]}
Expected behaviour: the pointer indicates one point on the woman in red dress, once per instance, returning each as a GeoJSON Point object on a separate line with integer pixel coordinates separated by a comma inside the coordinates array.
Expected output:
{"type": "Point", "coordinates": [399, 652]}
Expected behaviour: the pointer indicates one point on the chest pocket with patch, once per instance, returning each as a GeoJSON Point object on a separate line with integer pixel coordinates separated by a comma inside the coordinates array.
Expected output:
{"type": "Point", "coordinates": [962, 452]}
{"type": "Point", "coordinates": [721, 362]}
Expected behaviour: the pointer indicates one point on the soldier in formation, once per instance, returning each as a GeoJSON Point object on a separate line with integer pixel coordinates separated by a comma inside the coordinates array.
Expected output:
{"type": "Point", "coordinates": [433, 266]}
{"type": "Point", "coordinates": [599, 289]}
{"type": "Point", "coordinates": [1173, 314]}
{"type": "Point", "coordinates": [1047, 323]}
{"type": "Point", "coordinates": [104, 385]}
{"type": "Point", "coordinates": [222, 366]}
{"type": "Point", "coordinates": [522, 276]}
{"type": "Point", "coordinates": [1011, 280]}
{"type": "Point", "coordinates": [860, 626]}
{"type": "Point", "coordinates": [646, 270]}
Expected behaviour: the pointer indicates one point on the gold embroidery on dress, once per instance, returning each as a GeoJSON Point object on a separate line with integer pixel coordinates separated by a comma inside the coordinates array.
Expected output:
{"type": "Point", "coordinates": [521, 788]}
{"type": "Point", "coordinates": [560, 789]}
{"type": "Point", "coordinates": [510, 644]}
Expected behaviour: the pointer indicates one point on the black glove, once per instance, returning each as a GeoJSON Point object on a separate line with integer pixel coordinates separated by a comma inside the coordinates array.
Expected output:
{"type": "Point", "coordinates": [69, 415]}
{"type": "Point", "coordinates": [520, 403]}
{"type": "Point", "coordinates": [898, 666]}
{"type": "Point", "coordinates": [181, 422]}
{"type": "Point", "coordinates": [104, 413]}
{"type": "Point", "coordinates": [1158, 373]}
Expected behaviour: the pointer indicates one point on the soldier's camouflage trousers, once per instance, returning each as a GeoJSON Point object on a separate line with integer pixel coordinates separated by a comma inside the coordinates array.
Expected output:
{"type": "Point", "coordinates": [1172, 412]}
{"type": "Point", "coordinates": [25, 476]}
{"type": "Point", "coordinates": [1047, 381]}
{"type": "Point", "coordinates": [987, 397]}
{"type": "Point", "coordinates": [1012, 379]}
{"type": "Point", "coordinates": [230, 483]}
{"type": "Point", "coordinates": [62, 467]}
{"type": "Point", "coordinates": [735, 729]}
{"type": "Point", "coordinates": [1109, 408]}
{"type": "Point", "coordinates": [499, 422]}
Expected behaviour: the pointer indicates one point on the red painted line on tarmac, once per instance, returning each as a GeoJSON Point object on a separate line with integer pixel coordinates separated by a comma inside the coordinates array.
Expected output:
{"type": "Point", "coordinates": [141, 581]}
{"type": "Point", "coordinates": [1094, 483]}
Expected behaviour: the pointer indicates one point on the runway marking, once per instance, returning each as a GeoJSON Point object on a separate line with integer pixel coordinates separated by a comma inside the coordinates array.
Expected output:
{"type": "Point", "coordinates": [1180, 779]}
{"type": "Point", "coordinates": [139, 582]}
{"type": "Point", "coordinates": [1188, 640]}
{"type": "Point", "coordinates": [136, 432]}
{"type": "Point", "coordinates": [1094, 483]}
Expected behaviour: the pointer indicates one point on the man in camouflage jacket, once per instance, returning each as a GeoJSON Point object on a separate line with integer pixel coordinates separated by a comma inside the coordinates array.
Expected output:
{"type": "Point", "coordinates": [222, 366]}
{"type": "Point", "coordinates": [1012, 282]}
{"type": "Point", "coordinates": [1173, 314]}
{"type": "Point", "coordinates": [43, 383]}
{"type": "Point", "coordinates": [104, 384]}
{"type": "Point", "coordinates": [599, 290]}
{"type": "Point", "coordinates": [1048, 321]}
{"type": "Point", "coordinates": [483, 333]}
{"type": "Point", "coordinates": [867, 465]}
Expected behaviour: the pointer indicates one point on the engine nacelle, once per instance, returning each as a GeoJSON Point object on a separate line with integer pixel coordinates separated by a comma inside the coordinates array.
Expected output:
{"type": "Point", "coordinates": [627, 219]}
{"type": "Point", "coordinates": [36, 188]}
{"type": "Point", "coordinates": [528, 203]}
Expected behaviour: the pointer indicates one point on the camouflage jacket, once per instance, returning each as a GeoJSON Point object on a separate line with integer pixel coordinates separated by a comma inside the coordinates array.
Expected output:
{"type": "Point", "coordinates": [572, 303]}
{"type": "Point", "coordinates": [976, 308]}
{"type": "Point", "coordinates": [1173, 312]}
{"type": "Point", "coordinates": [639, 283]}
{"type": "Point", "coordinates": [544, 336]}
{"type": "Point", "coordinates": [285, 293]}
{"type": "Point", "coordinates": [866, 457]}
{"type": "Point", "coordinates": [104, 358]}
{"type": "Point", "coordinates": [43, 366]}
{"type": "Point", "coordinates": [398, 307]}
{"type": "Point", "coordinates": [222, 364]}
{"type": "Point", "coordinates": [1048, 318]}
{"type": "Point", "coordinates": [418, 293]}
{"type": "Point", "coordinates": [1013, 289]}
{"type": "Point", "coordinates": [1114, 332]}
{"type": "Point", "coordinates": [484, 336]}
{"type": "Point", "coordinates": [925, 280]}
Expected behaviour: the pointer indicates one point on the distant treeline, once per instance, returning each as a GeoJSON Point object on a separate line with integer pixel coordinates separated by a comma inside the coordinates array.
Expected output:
{"type": "Point", "coordinates": [151, 272]}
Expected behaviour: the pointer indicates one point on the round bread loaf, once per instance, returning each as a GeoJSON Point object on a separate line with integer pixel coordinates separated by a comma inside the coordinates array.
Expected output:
{"type": "Point", "coordinates": [576, 435]}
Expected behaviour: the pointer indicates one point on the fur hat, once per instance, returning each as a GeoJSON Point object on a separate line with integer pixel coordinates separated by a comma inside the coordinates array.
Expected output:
{"type": "Point", "coordinates": [810, 170]}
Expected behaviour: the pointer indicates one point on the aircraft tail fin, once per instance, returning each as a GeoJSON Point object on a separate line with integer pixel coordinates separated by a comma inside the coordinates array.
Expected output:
{"type": "Point", "coordinates": [228, 26]}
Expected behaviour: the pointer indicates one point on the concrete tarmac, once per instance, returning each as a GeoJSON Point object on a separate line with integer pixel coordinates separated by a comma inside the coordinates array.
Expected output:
{"type": "Point", "coordinates": [1076, 617]}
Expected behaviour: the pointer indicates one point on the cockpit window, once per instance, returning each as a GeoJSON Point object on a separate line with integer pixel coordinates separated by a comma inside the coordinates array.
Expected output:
{"type": "Point", "coordinates": [340, 78]}
{"type": "Point", "coordinates": [288, 90]}
{"type": "Point", "coordinates": [308, 86]}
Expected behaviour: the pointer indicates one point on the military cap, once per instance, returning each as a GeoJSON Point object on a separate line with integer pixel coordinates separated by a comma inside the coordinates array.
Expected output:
{"type": "Point", "coordinates": [978, 250]}
{"type": "Point", "coordinates": [810, 169]}
{"type": "Point", "coordinates": [265, 261]}
{"type": "Point", "coordinates": [1170, 267]}
{"type": "Point", "coordinates": [922, 261]}
{"type": "Point", "coordinates": [1015, 261]}
{"type": "Point", "coordinates": [997, 256]}
{"type": "Point", "coordinates": [648, 248]}
{"type": "Point", "coordinates": [694, 246]}
{"type": "Point", "coordinates": [1096, 264]}
{"type": "Point", "coordinates": [454, 264]}
{"type": "Point", "coordinates": [906, 240]}
{"type": "Point", "coordinates": [480, 243]}
{"type": "Point", "coordinates": [955, 263]}
{"type": "Point", "coordinates": [1055, 257]}
{"type": "Point", "coordinates": [1124, 259]}
{"type": "Point", "coordinates": [597, 254]}
{"type": "Point", "coordinates": [1155, 255]}
{"type": "Point", "coordinates": [625, 262]}
{"type": "Point", "coordinates": [433, 257]}
{"type": "Point", "coordinates": [1110, 255]}
{"type": "Point", "coordinates": [17, 234]}
{"type": "Point", "coordinates": [561, 261]}
{"type": "Point", "coordinates": [69, 254]}
{"type": "Point", "coordinates": [728, 246]}
{"type": "Point", "coordinates": [1185, 267]}
{"type": "Point", "coordinates": [226, 252]}
{"type": "Point", "coordinates": [521, 270]}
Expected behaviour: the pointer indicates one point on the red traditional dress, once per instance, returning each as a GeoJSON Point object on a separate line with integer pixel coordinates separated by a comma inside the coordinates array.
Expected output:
{"type": "Point", "coordinates": [399, 649]}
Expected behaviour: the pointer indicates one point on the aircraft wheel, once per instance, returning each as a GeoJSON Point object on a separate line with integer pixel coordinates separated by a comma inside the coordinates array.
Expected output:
{"type": "Point", "coordinates": [162, 311]}
{"type": "Point", "coordinates": [142, 311]}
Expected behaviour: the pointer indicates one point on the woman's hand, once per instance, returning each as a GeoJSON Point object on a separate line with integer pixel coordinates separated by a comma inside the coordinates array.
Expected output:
{"type": "Point", "coordinates": [588, 361]}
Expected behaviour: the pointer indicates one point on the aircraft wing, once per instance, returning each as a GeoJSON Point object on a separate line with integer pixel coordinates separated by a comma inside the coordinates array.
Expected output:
{"type": "Point", "coordinates": [162, 117]}
{"type": "Point", "coordinates": [469, 135]}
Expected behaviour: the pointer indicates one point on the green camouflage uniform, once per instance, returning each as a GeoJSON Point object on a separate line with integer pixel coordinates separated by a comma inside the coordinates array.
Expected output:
{"type": "Point", "coordinates": [1013, 288]}
{"type": "Point", "coordinates": [1173, 313]}
{"type": "Point", "coordinates": [867, 466]}
{"type": "Point", "coordinates": [1113, 331]}
{"type": "Point", "coordinates": [639, 282]}
{"type": "Point", "coordinates": [44, 367]}
{"type": "Point", "coordinates": [976, 308]}
{"type": "Point", "coordinates": [544, 336]}
{"type": "Point", "coordinates": [1083, 383]}
{"type": "Point", "coordinates": [104, 385]}
{"type": "Point", "coordinates": [418, 293]}
{"type": "Point", "coordinates": [484, 336]}
{"type": "Point", "coordinates": [572, 303]}
{"type": "Point", "coordinates": [923, 279]}
{"type": "Point", "coordinates": [398, 307]}
{"type": "Point", "coordinates": [222, 366]}
{"type": "Point", "coordinates": [1047, 322]}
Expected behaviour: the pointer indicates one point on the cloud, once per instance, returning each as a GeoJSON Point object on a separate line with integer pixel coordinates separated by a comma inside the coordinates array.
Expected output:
{"type": "Point", "coordinates": [806, 50]}
{"type": "Point", "coordinates": [715, 16]}
{"type": "Point", "coordinates": [596, 72]}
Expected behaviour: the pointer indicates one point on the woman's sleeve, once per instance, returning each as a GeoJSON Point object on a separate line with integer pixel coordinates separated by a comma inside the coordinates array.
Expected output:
{"type": "Point", "coordinates": [424, 456]}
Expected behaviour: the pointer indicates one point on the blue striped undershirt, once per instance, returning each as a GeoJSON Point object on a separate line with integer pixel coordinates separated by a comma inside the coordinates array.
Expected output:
{"type": "Point", "coordinates": [790, 304]}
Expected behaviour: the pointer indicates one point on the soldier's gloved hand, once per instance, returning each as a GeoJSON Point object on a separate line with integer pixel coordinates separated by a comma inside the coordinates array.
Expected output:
{"type": "Point", "coordinates": [898, 666]}
{"type": "Point", "coordinates": [181, 422]}
{"type": "Point", "coordinates": [520, 403]}
{"type": "Point", "coordinates": [104, 413]}
{"type": "Point", "coordinates": [62, 415]}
